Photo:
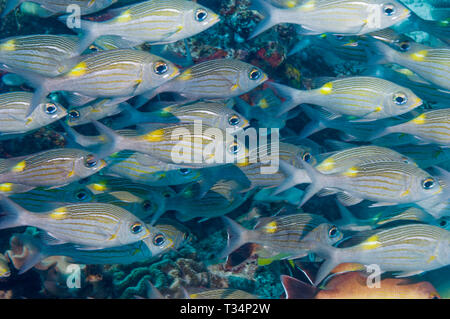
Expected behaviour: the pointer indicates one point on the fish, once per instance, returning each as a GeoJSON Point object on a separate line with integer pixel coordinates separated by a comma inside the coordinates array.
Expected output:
{"type": "Point", "coordinates": [200, 146]}
{"type": "Point", "coordinates": [353, 285]}
{"type": "Point", "coordinates": [361, 98]}
{"type": "Point", "coordinates": [153, 22]}
{"type": "Point", "coordinates": [60, 6]}
{"type": "Point", "coordinates": [430, 127]}
{"type": "Point", "coordinates": [119, 74]}
{"type": "Point", "coordinates": [97, 225]}
{"type": "Point", "coordinates": [93, 112]}
{"type": "Point", "coordinates": [432, 64]}
{"type": "Point", "coordinates": [438, 206]}
{"type": "Point", "coordinates": [51, 168]}
{"type": "Point", "coordinates": [44, 54]}
{"type": "Point", "coordinates": [386, 183]}
{"type": "Point", "coordinates": [147, 249]}
{"type": "Point", "coordinates": [214, 79]}
{"type": "Point", "coordinates": [13, 108]}
{"type": "Point", "coordinates": [407, 249]}
{"type": "Point", "coordinates": [282, 237]}
{"type": "Point", "coordinates": [344, 17]}
{"type": "Point", "coordinates": [340, 162]}
{"type": "Point", "coordinates": [215, 114]}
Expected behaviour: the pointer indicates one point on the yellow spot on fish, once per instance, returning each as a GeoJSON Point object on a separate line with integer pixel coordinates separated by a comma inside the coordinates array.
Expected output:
{"type": "Point", "coordinates": [124, 17]}
{"type": "Point", "coordinates": [186, 75]}
{"type": "Point", "coordinates": [6, 187]}
{"type": "Point", "coordinates": [8, 46]}
{"type": "Point", "coordinates": [235, 87]}
{"type": "Point", "coordinates": [371, 243]}
{"type": "Point", "coordinates": [29, 120]}
{"type": "Point", "coordinates": [378, 109]}
{"type": "Point", "coordinates": [19, 167]}
{"type": "Point", "coordinates": [154, 136]}
{"type": "Point", "coordinates": [309, 6]}
{"type": "Point", "coordinates": [263, 104]}
{"type": "Point", "coordinates": [271, 227]}
{"type": "Point", "coordinates": [99, 187]}
{"type": "Point", "coordinates": [431, 259]}
{"type": "Point", "coordinates": [71, 173]}
{"type": "Point", "coordinates": [291, 4]}
{"type": "Point", "coordinates": [420, 119]}
{"type": "Point", "coordinates": [326, 89]}
{"type": "Point", "coordinates": [351, 172]}
{"type": "Point", "coordinates": [326, 165]}
{"type": "Point", "coordinates": [91, 3]}
{"type": "Point", "coordinates": [405, 192]}
{"type": "Point", "coordinates": [59, 213]}
{"type": "Point", "coordinates": [419, 56]}
{"type": "Point", "coordinates": [113, 236]}
{"type": "Point", "coordinates": [78, 70]}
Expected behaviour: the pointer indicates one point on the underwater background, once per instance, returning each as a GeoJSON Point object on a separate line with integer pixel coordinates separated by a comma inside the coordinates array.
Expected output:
{"type": "Point", "coordinates": [195, 266]}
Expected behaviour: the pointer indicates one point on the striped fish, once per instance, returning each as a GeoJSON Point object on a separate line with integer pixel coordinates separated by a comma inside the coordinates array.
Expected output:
{"type": "Point", "coordinates": [14, 107]}
{"type": "Point", "coordinates": [282, 237]}
{"type": "Point", "coordinates": [142, 168]}
{"type": "Point", "coordinates": [430, 127]}
{"type": "Point", "coordinates": [214, 114]}
{"type": "Point", "coordinates": [154, 21]}
{"type": "Point", "coordinates": [44, 54]}
{"type": "Point", "coordinates": [439, 206]}
{"type": "Point", "coordinates": [346, 17]}
{"type": "Point", "coordinates": [366, 98]}
{"type": "Point", "coordinates": [92, 112]}
{"type": "Point", "coordinates": [118, 74]}
{"type": "Point", "coordinates": [51, 168]}
{"type": "Point", "coordinates": [152, 246]}
{"type": "Point", "coordinates": [408, 249]}
{"type": "Point", "coordinates": [386, 183]}
{"type": "Point", "coordinates": [291, 153]}
{"type": "Point", "coordinates": [432, 64]}
{"type": "Point", "coordinates": [341, 161]}
{"type": "Point", "coordinates": [89, 225]}
{"type": "Point", "coordinates": [178, 233]}
{"type": "Point", "coordinates": [413, 214]}
{"type": "Point", "coordinates": [215, 79]}
{"type": "Point", "coordinates": [60, 6]}
{"type": "Point", "coordinates": [189, 145]}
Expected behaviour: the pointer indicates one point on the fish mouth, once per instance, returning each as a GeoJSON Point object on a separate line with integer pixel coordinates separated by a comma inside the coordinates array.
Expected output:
{"type": "Point", "coordinates": [102, 164]}
{"type": "Point", "coordinates": [404, 15]}
{"type": "Point", "coordinates": [215, 18]}
{"type": "Point", "coordinates": [417, 102]}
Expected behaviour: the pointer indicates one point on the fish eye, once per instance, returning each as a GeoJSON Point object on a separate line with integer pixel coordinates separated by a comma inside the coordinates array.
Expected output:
{"type": "Point", "coordinates": [400, 98]}
{"type": "Point", "coordinates": [389, 9]}
{"type": "Point", "coordinates": [146, 205]}
{"type": "Point", "coordinates": [167, 195]}
{"type": "Point", "coordinates": [339, 37]}
{"type": "Point", "coordinates": [81, 195]}
{"type": "Point", "coordinates": [50, 108]}
{"type": "Point", "coordinates": [136, 228]}
{"type": "Point", "coordinates": [74, 114]}
{"type": "Point", "coordinates": [90, 161]}
{"type": "Point", "coordinates": [255, 74]}
{"type": "Point", "coordinates": [160, 67]}
{"type": "Point", "coordinates": [159, 239]}
{"type": "Point", "coordinates": [234, 148]}
{"type": "Point", "coordinates": [307, 157]}
{"type": "Point", "coordinates": [404, 46]}
{"type": "Point", "coordinates": [184, 171]}
{"type": "Point", "coordinates": [333, 232]}
{"type": "Point", "coordinates": [428, 183]}
{"type": "Point", "coordinates": [201, 15]}
{"type": "Point", "coordinates": [234, 120]}
{"type": "Point", "coordinates": [443, 223]}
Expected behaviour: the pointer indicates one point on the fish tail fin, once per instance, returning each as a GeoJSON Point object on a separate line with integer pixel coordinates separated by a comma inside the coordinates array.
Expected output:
{"type": "Point", "coordinates": [131, 116]}
{"type": "Point", "coordinates": [270, 16]}
{"type": "Point", "coordinates": [89, 32]}
{"type": "Point", "coordinates": [318, 180]}
{"type": "Point", "coordinates": [346, 216]}
{"type": "Point", "coordinates": [378, 133]}
{"type": "Point", "coordinates": [237, 236]}
{"type": "Point", "coordinates": [293, 97]}
{"type": "Point", "coordinates": [142, 99]}
{"type": "Point", "coordinates": [115, 142]}
{"type": "Point", "coordinates": [10, 6]}
{"type": "Point", "coordinates": [316, 124]}
{"type": "Point", "coordinates": [296, 289]}
{"type": "Point", "coordinates": [294, 176]}
{"type": "Point", "coordinates": [332, 260]}
{"type": "Point", "coordinates": [12, 215]}
{"type": "Point", "coordinates": [75, 138]}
